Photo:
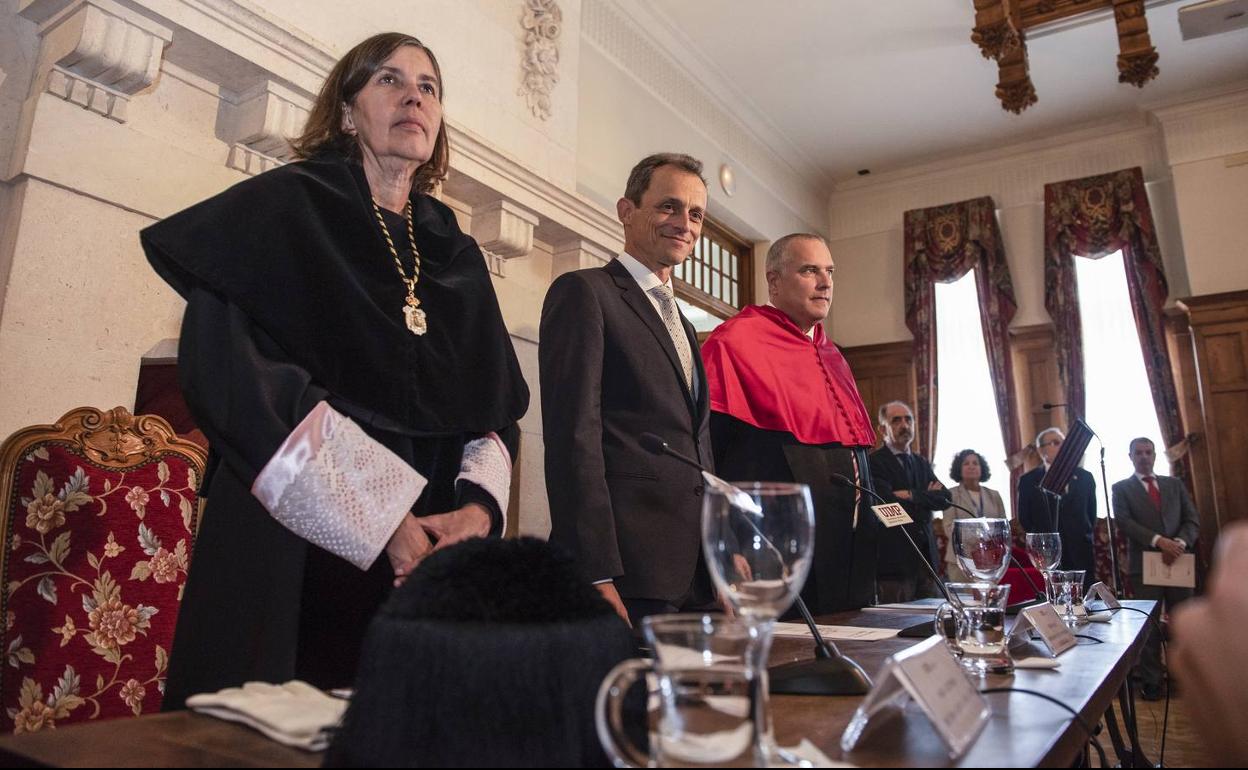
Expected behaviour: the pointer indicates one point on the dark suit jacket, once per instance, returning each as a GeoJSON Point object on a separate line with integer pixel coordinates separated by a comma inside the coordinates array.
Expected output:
{"type": "Point", "coordinates": [609, 372]}
{"type": "Point", "coordinates": [1140, 520]}
{"type": "Point", "coordinates": [1077, 516]}
{"type": "Point", "coordinates": [897, 560]}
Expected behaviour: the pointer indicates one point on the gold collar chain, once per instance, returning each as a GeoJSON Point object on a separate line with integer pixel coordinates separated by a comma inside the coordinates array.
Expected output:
{"type": "Point", "coordinates": [413, 316]}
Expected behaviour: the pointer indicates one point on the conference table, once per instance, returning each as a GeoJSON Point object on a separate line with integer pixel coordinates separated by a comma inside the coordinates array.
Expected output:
{"type": "Point", "coordinates": [1022, 731]}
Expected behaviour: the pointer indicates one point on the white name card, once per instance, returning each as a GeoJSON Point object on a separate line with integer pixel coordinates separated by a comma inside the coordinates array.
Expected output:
{"type": "Point", "coordinates": [892, 514]}
{"type": "Point", "coordinates": [930, 675]}
{"type": "Point", "coordinates": [1045, 620]}
{"type": "Point", "coordinates": [1102, 593]}
{"type": "Point", "coordinates": [1180, 574]}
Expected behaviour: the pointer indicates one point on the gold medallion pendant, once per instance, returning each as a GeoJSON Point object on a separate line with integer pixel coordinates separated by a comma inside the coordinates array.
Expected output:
{"type": "Point", "coordinates": [415, 318]}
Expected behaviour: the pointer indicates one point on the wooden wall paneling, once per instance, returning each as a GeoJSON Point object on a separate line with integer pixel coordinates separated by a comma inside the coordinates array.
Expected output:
{"type": "Point", "coordinates": [1181, 345]}
{"type": "Point", "coordinates": [1219, 328]}
{"type": "Point", "coordinates": [884, 373]}
{"type": "Point", "coordinates": [1036, 382]}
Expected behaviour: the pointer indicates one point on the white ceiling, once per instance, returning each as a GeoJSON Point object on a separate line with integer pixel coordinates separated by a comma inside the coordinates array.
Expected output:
{"type": "Point", "coordinates": [840, 85]}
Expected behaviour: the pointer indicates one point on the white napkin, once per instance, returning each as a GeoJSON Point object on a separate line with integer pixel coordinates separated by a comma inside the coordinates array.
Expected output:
{"type": "Point", "coordinates": [810, 756]}
{"type": "Point", "coordinates": [1035, 661]}
{"type": "Point", "coordinates": [295, 713]}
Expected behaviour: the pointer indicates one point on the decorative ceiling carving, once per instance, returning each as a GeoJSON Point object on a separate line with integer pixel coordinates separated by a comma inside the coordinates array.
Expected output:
{"type": "Point", "coordinates": [1000, 32]}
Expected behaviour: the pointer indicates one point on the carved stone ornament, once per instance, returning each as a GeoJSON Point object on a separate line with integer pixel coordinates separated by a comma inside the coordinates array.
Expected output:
{"type": "Point", "coordinates": [542, 22]}
{"type": "Point", "coordinates": [101, 53]}
{"type": "Point", "coordinates": [258, 125]}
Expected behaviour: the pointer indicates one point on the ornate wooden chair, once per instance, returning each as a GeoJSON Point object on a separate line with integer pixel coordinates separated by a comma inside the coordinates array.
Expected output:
{"type": "Point", "coordinates": [1100, 550]}
{"type": "Point", "coordinates": [99, 521]}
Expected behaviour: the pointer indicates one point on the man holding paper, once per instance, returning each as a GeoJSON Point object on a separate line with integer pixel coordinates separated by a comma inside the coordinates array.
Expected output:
{"type": "Point", "coordinates": [1157, 514]}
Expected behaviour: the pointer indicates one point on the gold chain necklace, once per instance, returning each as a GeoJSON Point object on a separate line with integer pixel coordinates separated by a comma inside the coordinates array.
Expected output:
{"type": "Point", "coordinates": [413, 316]}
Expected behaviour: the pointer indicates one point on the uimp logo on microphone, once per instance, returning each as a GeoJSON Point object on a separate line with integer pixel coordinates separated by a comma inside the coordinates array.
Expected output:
{"type": "Point", "coordinates": [892, 514]}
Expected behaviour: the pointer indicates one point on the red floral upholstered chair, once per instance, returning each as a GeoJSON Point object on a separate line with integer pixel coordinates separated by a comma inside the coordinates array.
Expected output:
{"type": "Point", "coordinates": [1100, 550]}
{"type": "Point", "coordinates": [99, 520]}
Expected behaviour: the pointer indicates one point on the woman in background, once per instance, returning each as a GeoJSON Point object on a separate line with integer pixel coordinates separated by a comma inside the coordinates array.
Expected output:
{"type": "Point", "coordinates": [970, 470]}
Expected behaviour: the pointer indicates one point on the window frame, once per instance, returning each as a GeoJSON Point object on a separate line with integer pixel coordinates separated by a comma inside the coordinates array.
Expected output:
{"type": "Point", "coordinates": [719, 235]}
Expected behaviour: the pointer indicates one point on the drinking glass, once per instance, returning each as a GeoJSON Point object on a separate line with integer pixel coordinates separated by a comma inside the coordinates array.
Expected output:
{"type": "Point", "coordinates": [978, 621]}
{"type": "Point", "coordinates": [1069, 589]}
{"type": "Point", "coordinates": [1045, 551]}
{"type": "Point", "coordinates": [706, 696]}
{"type": "Point", "coordinates": [982, 547]}
{"type": "Point", "coordinates": [758, 539]}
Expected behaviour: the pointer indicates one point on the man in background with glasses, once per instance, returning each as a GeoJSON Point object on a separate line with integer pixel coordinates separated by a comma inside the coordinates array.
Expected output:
{"type": "Point", "coordinates": [1075, 520]}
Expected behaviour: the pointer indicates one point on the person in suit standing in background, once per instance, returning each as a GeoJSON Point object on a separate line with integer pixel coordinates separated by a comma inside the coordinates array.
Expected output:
{"type": "Point", "coordinates": [907, 478]}
{"type": "Point", "coordinates": [1075, 520]}
{"type": "Point", "coordinates": [1157, 514]}
{"type": "Point", "coordinates": [617, 359]}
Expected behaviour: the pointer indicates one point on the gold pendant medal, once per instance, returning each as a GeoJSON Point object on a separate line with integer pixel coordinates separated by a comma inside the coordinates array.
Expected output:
{"type": "Point", "coordinates": [414, 316]}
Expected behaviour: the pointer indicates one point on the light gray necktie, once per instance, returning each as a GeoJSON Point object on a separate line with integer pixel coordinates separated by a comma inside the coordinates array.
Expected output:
{"type": "Point", "coordinates": [671, 319]}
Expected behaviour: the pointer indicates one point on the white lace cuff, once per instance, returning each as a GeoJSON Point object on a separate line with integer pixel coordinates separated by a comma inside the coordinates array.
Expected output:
{"type": "Point", "coordinates": [487, 463]}
{"type": "Point", "coordinates": [336, 487]}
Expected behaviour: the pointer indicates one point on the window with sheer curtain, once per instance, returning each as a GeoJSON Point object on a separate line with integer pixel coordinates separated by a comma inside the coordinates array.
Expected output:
{"type": "Point", "coordinates": [1119, 402]}
{"type": "Point", "coordinates": [966, 410]}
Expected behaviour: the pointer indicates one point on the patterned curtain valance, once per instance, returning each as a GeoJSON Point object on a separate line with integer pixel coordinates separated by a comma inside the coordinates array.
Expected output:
{"type": "Point", "coordinates": [1094, 217]}
{"type": "Point", "coordinates": [1099, 215]}
{"type": "Point", "coordinates": [942, 244]}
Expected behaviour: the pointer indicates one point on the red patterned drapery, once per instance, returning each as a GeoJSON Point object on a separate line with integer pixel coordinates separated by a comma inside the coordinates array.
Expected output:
{"type": "Point", "coordinates": [942, 244]}
{"type": "Point", "coordinates": [1094, 217]}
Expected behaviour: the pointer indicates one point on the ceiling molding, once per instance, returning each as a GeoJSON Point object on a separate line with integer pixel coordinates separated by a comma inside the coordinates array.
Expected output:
{"type": "Point", "coordinates": [1013, 175]}
{"type": "Point", "coordinates": [632, 43]}
{"type": "Point", "coordinates": [1207, 128]}
{"type": "Point", "coordinates": [689, 56]}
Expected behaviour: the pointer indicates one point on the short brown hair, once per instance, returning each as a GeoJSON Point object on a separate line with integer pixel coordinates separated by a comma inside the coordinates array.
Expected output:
{"type": "Point", "coordinates": [323, 132]}
{"type": "Point", "coordinates": [1141, 440]}
{"type": "Point", "coordinates": [778, 253]}
{"type": "Point", "coordinates": [639, 177]}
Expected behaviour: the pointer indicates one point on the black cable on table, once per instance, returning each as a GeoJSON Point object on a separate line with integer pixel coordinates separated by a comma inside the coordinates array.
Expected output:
{"type": "Point", "coordinates": [1088, 729]}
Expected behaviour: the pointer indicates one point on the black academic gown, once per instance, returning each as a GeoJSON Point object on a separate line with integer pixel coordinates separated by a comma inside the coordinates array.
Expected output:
{"type": "Point", "coordinates": [842, 573]}
{"type": "Point", "coordinates": [260, 602]}
{"type": "Point", "coordinates": [1075, 520]}
{"type": "Point", "coordinates": [898, 561]}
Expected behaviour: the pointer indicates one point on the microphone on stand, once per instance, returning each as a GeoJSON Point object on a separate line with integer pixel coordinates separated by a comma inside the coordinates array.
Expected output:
{"type": "Point", "coordinates": [845, 481]}
{"type": "Point", "coordinates": [831, 672]}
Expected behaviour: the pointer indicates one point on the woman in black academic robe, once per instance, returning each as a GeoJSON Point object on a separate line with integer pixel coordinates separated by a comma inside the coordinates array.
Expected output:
{"type": "Point", "coordinates": [344, 352]}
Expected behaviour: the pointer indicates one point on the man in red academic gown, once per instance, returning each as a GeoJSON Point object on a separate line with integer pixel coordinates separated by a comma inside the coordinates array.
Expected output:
{"type": "Point", "coordinates": [784, 407]}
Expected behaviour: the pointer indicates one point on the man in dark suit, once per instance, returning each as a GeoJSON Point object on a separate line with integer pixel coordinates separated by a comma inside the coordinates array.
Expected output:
{"type": "Point", "coordinates": [1157, 514]}
{"type": "Point", "coordinates": [617, 359]}
{"type": "Point", "coordinates": [905, 477]}
{"type": "Point", "coordinates": [1075, 520]}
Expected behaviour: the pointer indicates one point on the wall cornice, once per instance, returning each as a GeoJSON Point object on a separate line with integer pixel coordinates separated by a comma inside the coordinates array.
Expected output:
{"type": "Point", "coordinates": [1205, 128]}
{"type": "Point", "coordinates": [1212, 125]}
{"type": "Point", "coordinates": [1013, 175]}
{"type": "Point", "coordinates": [266, 75]}
{"type": "Point", "coordinates": [614, 29]}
